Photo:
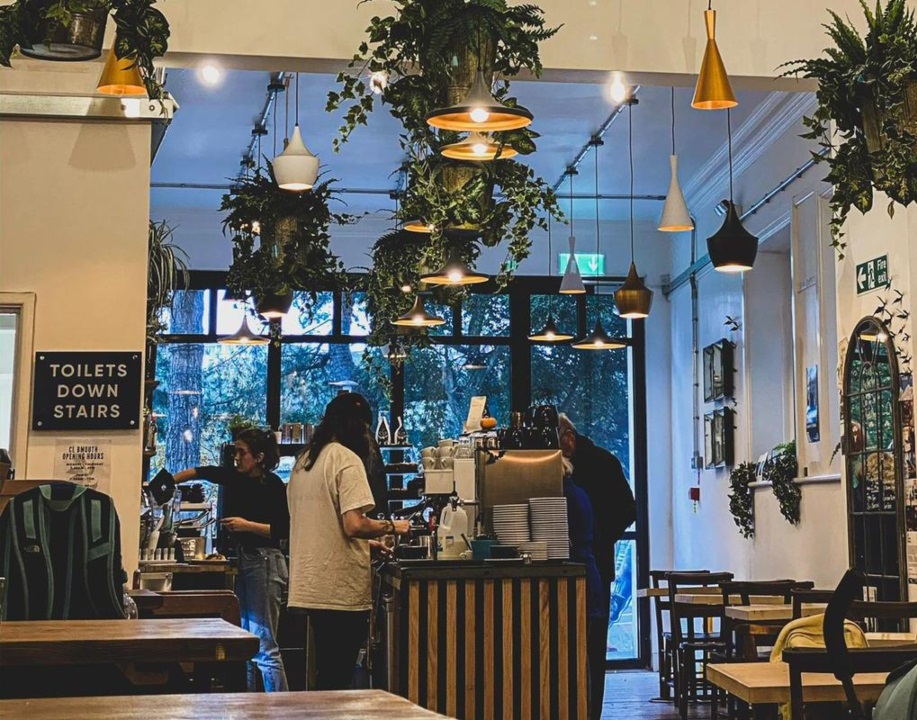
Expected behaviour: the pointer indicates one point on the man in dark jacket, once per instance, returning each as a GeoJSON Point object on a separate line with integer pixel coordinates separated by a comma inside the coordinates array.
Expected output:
{"type": "Point", "coordinates": [600, 474]}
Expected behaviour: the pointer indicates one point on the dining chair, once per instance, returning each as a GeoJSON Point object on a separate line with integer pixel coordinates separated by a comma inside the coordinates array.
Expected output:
{"type": "Point", "coordinates": [697, 631]}
{"type": "Point", "coordinates": [808, 597]}
{"type": "Point", "coordinates": [747, 641]}
{"type": "Point", "coordinates": [882, 616]}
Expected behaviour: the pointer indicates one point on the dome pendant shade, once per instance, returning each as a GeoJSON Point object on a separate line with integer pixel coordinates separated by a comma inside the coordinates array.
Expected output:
{"type": "Point", "coordinates": [550, 333]}
{"type": "Point", "coordinates": [600, 340]}
{"type": "Point", "coordinates": [454, 272]}
{"type": "Point", "coordinates": [732, 248]}
{"type": "Point", "coordinates": [296, 168]}
{"type": "Point", "coordinates": [572, 283]}
{"type": "Point", "coordinates": [477, 147]}
{"type": "Point", "coordinates": [418, 316]}
{"type": "Point", "coordinates": [480, 111]}
{"type": "Point", "coordinates": [243, 336]}
{"type": "Point", "coordinates": [120, 77]}
{"type": "Point", "coordinates": [675, 215]}
{"type": "Point", "coordinates": [633, 299]}
{"type": "Point", "coordinates": [713, 91]}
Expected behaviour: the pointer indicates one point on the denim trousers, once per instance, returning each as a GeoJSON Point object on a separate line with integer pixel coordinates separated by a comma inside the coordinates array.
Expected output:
{"type": "Point", "coordinates": [261, 587]}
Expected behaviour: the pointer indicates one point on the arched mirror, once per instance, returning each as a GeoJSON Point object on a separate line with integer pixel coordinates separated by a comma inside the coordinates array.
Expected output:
{"type": "Point", "coordinates": [872, 436]}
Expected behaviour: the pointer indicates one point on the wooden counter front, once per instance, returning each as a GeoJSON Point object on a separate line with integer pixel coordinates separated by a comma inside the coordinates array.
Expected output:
{"type": "Point", "coordinates": [482, 640]}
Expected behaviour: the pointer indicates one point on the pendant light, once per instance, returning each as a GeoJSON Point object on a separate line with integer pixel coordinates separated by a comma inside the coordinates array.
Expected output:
{"type": "Point", "coordinates": [418, 226]}
{"type": "Point", "coordinates": [572, 282]}
{"type": "Point", "coordinates": [478, 147]}
{"type": "Point", "coordinates": [243, 336]}
{"type": "Point", "coordinates": [480, 111]}
{"type": "Point", "coordinates": [732, 248]}
{"type": "Point", "coordinates": [633, 299]}
{"type": "Point", "coordinates": [120, 76]}
{"type": "Point", "coordinates": [599, 339]}
{"type": "Point", "coordinates": [550, 333]}
{"type": "Point", "coordinates": [454, 272]}
{"type": "Point", "coordinates": [675, 215]}
{"type": "Point", "coordinates": [474, 361]}
{"type": "Point", "coordinates": [418, 316]}
{"type": "Point", "coordinates": [296, 168]}
{"type": "Point", "coordinates": [713, 91]}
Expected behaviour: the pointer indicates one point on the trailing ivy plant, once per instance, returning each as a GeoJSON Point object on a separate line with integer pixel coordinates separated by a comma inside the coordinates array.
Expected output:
{"type": "Point", "coordinates": [741, 499]}
{"type": "Point", "coordinates": [781, 469]}
{"type": "Point", "coordinates": [293, 252]}
{"type": "Point", "coordinates": [142, 29]}
{"type": "Point", "coordinates": [866, 88]}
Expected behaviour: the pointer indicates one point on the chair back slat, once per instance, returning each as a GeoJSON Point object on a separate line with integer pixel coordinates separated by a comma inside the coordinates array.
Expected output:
{"type": "Point", "coordinates": [746, 589]}
{"type": "Point", "coordinates": [808, 597]}
{"type": "Point", "coordinates": [685, 617]}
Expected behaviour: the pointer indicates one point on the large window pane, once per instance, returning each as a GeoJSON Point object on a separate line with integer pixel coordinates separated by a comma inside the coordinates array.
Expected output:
{"type": "Point", "coordinates": [562, 307]}
{"type": "Point", "coordinates": [354, 320]}
{"type": "Point", "coordinates": [200, 388]}
{"type": "Point", "coordinates": [485, 315]}
{"type": "Point", "coordinates": [189, 313]}
{"type": "Point", "coordinates": [446, 313]}
{"type": "Point", "coordinates": [605, 305]}
{"type": "Point", "coordinates": [623, 639]}
{"type": "Point", "coordinates": [438, 388]}
{"type": "Point", "coordinates": [308, 317]}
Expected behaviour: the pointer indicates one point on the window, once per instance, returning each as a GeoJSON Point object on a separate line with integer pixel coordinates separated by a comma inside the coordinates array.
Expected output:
{"type": "Point", "coordinates": [9, 324]}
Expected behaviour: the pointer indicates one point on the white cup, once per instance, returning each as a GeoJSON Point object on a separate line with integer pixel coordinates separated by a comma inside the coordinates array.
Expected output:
{"type": "Point", "coordinates": [428, 463]}
{"type": "Point", "coordinates": [445, 443]}
{"type": "Point", "coordinates": [428, 452]}
{"type": "Point", "coordinates": [447, 463]}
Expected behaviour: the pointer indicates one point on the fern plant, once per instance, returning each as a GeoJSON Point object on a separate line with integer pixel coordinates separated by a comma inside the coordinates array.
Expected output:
{"type": "Point", "coordinates": [867, 87]}
{"type": "Point", "coordinates": [167, 272]}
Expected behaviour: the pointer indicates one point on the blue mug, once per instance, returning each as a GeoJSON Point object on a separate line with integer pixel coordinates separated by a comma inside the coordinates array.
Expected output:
{"type": "Point", "coordinates": [480, 548]}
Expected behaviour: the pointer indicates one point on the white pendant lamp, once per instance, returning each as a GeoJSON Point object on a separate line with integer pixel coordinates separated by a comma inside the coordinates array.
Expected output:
{"type": "Point", "coordinates": [675, 215]}
{"type": "Point", "coordinates": [572, 283]}
{"type": "Point", "coordinates": [296, 168]}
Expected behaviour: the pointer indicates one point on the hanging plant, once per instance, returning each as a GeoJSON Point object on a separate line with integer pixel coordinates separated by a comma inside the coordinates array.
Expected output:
{"type": "Point", "coordinates": [36, 26]}
{"type": "Point", "coordinates": [741, 499]}
{"type": "Point", "coordinates": [294, 243]}
{"type": "Point", "coordinates": [867, 87]}
{"type": "Point", "coordinates": [780, 470]}
{"type": "Point", "coordinates": [167, 272]}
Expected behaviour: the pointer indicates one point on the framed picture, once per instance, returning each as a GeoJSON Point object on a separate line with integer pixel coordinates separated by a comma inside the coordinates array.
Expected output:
{"type": "Point", "coordinates": [709, 461]}
{"type": "Point", "coordinates": [719, 438]}
{"type": "Point", "coordinates": [718, 371]}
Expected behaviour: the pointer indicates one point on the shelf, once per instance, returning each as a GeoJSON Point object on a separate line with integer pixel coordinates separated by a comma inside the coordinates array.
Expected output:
{"type": "Point", "coordinates": [192, 507]}
{"type": "Point", "coordinates": [396, 447]}
{"type": "Point", "coordinates": [402, 469]}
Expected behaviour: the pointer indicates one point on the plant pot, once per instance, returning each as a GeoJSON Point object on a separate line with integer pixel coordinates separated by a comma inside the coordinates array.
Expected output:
{"type": "Point", "coordinates": [80, 40]}
{"type": "Point", "coordinates": [874, 120]}
{"type": "Point", "coordinates": [275, 303]}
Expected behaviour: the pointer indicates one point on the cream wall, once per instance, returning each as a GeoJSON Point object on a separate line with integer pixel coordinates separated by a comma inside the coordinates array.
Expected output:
{"type": "Point", "coordinates": [74, 204]}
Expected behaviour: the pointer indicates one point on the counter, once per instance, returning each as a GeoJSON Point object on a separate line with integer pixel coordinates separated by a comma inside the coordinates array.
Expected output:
{"type": "Point", "coordinates": [487, 639]}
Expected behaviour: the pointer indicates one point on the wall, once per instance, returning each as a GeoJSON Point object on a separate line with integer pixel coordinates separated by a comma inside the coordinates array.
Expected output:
{"type": "Point", "coordinates": [73, 229]}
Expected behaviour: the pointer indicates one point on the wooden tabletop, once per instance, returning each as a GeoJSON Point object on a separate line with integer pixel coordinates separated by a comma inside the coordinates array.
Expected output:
{"type": "Point", "coordinates": [767, 683]}
{"type": "Point", "coordinates": [770, 612]}
{"type": "Point", "coordinates": [196, 566]}
{"type": "Point", "coordinates": [71, 642]}
{"type": "Point", "coordinates": [891, 639]}
{"type": "Point", "coordinates": [340, 705]}
{"type": "Point", "coordinates": [694, 597]}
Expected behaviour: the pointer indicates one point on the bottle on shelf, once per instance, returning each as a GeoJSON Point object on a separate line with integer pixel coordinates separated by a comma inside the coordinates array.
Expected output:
{"type": "Point", "coordinates": [401, 437]}
{"type": "Point", "coordinates": [383, 434]}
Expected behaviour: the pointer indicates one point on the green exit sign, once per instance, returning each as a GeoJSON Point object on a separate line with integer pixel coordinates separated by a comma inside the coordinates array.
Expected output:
{"type": "Point", "coordinates": [588, 263]}
{"type": "Point", "coordinates": [872, 274]}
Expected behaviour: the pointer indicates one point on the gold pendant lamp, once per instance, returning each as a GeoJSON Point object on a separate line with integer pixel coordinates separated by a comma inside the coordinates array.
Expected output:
{"type": "Point", "coordinates": [550, 333]}
{"type": "Point", "coordinates": [480, 111]}
{"type": "Point", "coordinates": [713, 91]}
{"type": "Point", "coordinates": [478, 147]}
{"type": "Point", "coordinates": [418, 317]}
{"type": "Point", "coordinates": [633, 299]}
{"type": "Point", "coordinates": [454, 272]}
{"type": "Point", "coordinates": [120, 76]}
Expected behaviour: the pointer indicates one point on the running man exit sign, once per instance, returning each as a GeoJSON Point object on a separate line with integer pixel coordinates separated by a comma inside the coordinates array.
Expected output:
{"type": "Point", "coordinates": [872, 274]}
{"type": "Point", "coordinates": [588, 263]}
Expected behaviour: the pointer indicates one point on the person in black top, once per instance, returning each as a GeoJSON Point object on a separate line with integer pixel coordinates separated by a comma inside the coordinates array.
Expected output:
{"type": "Point", "coordinates": [255, 512]}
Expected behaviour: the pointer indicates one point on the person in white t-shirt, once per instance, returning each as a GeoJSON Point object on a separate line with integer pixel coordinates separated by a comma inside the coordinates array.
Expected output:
{"type": "Point", "coordinates": [330, 535]}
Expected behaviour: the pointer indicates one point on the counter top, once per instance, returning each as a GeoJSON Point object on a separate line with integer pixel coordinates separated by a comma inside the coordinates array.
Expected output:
{"type": "Point", "coordinates": [479, 569]}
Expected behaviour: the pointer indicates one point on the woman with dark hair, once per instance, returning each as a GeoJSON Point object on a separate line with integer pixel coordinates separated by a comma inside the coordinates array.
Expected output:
{"type": "Point", "coordinates": [330, 578]}
{"type": "Point", "coordinates": [255, 514]}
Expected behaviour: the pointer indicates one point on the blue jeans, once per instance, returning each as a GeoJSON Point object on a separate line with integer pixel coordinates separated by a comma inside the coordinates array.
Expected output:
{"type": "Point", "coordinates": [261, 587]}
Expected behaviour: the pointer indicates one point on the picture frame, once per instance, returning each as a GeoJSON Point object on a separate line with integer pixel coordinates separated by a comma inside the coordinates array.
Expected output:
{"type": "Point", "coordinates": [719, 438]}
{"type": "Point", "coordinates": [719, 370]}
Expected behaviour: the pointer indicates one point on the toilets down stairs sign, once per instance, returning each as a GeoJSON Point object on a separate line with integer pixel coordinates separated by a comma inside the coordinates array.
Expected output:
{"type": "Point", "coordinates": [872, 275]}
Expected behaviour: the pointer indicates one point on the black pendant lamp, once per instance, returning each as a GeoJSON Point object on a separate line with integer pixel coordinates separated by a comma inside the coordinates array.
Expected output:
{"type": "Point", "coordinates": [549, 333]}
{"type": "Point", "coordinates": [599, 339]}
{"type": "Point", "coordinates": [418, 317]}
{"type": "Point", "coordinates": [454, 272]}
{"type": "Point", "coordinates": [732, 248]}
{"type": "Point", "coordinates": [480, 111]}
{"type": "Point", "coordinates": [633, 299]}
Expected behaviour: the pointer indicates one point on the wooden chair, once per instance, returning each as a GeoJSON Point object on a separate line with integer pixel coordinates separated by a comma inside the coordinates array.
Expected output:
{"type": "Point", "coordinates": [661, 608]}
{"type": "Point", "coordinates": [883, 615]}
{"type": "Point", "coordinates": [806, 597]}
{"type": "Point", "coordinates": [697, 631]}
{"type": "Point", "coordinates": [746, 640]}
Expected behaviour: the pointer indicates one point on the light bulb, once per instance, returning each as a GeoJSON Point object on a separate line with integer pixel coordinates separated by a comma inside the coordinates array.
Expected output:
{"type": "Point", "coordinates": [479, 115]}
{"type": "Point", "coordinates": [378, 81]}
{"type": "Point", "coordinates": [256, 227]}
{"type": "Point", "coordinates": [549, 335]}
{"type": "Point", "coordinates": [406, 288]}
{"type": "Point", "coordinates": [599, 343]}
{"type": "Point", "coordinates": [210, 73]}
{"type": "Point", "coordinates": [618, 89]}
{"type": "Point", "coordinates": [455, 276]}
{"type": "Point", "coordinates": [417, 319]}
{"type": "Point", "coordinates": [479, 149]}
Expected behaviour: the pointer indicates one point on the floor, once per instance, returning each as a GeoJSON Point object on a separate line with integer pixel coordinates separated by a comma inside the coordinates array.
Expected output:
{"type": "Point", "coordinates": [627, 696]}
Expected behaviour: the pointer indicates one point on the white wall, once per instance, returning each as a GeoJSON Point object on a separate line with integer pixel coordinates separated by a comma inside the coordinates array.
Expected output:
{"type": "Point", "coordinates": [73, 229]}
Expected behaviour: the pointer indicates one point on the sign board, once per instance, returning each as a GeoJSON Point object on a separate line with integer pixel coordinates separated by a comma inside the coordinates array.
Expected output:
{"type": "Point", "coordinates": [87, 391]}
{"type": "Point", "coordinates": [84, 462]}
{"type": "Point", "coordinates": [588, 263]}
{"type": "Point", "coordinates": [872, 274]}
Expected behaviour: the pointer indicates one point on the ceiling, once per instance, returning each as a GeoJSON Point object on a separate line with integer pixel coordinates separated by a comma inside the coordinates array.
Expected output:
{"type": "Point", "coordinates": [212, 129]}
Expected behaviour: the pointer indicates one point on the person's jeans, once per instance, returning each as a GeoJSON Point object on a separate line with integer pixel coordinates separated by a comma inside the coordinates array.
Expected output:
{"type": "Point", "coordinates": [261, 587]}
{"type": "Point", "coordinates": [338, 635]}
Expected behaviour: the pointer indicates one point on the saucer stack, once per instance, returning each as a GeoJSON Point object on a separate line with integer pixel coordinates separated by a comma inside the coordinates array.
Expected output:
{"type": "Point", "coordinates": [511, 524]}
{"type": "Point", "coordinates": [535, 550]}
{"type": "Point", "coordinates": [549, 525]}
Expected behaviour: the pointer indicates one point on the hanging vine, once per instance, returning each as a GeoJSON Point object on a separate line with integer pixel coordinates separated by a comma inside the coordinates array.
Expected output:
{"type": "Point", "coordinates": [780, 470]}
{"type": "Point", "coordinates": [741, 499]}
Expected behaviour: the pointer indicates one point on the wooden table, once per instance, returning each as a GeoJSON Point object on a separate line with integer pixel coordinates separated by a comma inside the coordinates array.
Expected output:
{"type": "Point", "coordinates": [374, 704]}
{"type": "Point", "coordinates": [694, 597]}
{"type": "Point", "coordinates": [891, 639]}
{"type": "Point", "coordinates": [768, 683]}
{"type": "Point", "coordinates": [39, 643]}
{"type": "Point", "coordinates": [770, 612]}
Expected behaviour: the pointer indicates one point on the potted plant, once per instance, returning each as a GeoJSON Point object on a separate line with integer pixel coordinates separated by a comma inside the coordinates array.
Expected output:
{"type": "Point", "coordinates": [167, 272]}
{"type": "Point", "coordinates": [868, 92]}
{"type": "Point", "coordinates": [293, 252]}
{"type": "Point", "coordinates": [74, 30]}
